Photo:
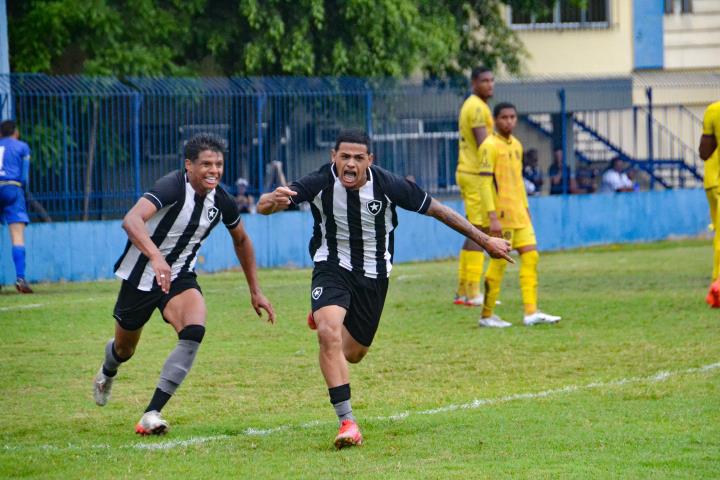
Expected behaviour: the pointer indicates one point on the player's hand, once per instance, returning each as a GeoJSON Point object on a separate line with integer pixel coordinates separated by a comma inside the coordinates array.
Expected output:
{"type": "Point", "coordinates": [259, 301]}
{"type": "Point", "coordinates": [495, 228]}
{"type": "Point", "coordinates": [498, 248]}
{"type": "Point", "coordinates": [162, 272]}
{"type": "Point", "coordinates": [281, 198]}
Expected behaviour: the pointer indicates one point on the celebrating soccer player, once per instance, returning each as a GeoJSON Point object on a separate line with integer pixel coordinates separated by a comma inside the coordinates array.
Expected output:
{"type": "Point", "coordinates": [506, 212]}
{"type": "Point", "coordinates": [710, 152]}
{"type": "Point", "coordinates": [165, 229]}
{"type": "Point", "coordinates": [353, 203]}
{"type": "Point", "coordinates": [475, 124]}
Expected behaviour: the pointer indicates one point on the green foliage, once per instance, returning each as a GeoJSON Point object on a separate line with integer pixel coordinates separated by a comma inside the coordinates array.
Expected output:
{"type": "Point", "coordinates": [628, 313]}
{"type": "Point", "coordinates": [371, 38]}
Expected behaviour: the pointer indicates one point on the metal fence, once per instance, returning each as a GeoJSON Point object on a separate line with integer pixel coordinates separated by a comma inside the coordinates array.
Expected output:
{"type": "Point", "coordinates": [98, 143]}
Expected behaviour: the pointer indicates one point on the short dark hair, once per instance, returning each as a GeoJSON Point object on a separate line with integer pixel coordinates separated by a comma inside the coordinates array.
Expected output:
{"type": "Point", "coordinates": [7, 128]}
{"type": "Point", "coordinates": [502, 106]}
{"type": "Point", "coordinates": [353, 135]}
{"type": "Point", "coordinates": [477, 71]}
{"type": "Point", "coordinates": [201, 142]}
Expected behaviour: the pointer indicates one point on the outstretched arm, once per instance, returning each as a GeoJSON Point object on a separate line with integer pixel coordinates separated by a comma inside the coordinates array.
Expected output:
{"type": "Point", "coordinates": [246, 254]}
{"type": "Point", "coordinates": [275, 201]}
{"type": "Point", "coordinates": [496, 247]}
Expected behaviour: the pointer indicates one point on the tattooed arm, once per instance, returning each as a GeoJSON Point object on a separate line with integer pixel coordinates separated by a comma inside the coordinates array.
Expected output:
{"type": "Point", "coordinates": [496, 247]}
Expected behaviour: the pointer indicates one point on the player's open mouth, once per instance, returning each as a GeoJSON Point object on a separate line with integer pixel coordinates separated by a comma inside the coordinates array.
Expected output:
{"type": "Point", "coordinates": [211, 180]}
{"type": "Point", "coordinates": [349, 176]}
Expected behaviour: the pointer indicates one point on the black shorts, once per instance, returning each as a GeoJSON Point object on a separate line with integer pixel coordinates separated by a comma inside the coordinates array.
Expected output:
{"type": "Point", "coordinates": [362, 297]}
{"type": "Point", "coordinates": [134, 307]}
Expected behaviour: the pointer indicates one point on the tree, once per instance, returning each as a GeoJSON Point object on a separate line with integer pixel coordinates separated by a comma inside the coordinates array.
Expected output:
{"type": "Point", "coordinates": [263, 37]}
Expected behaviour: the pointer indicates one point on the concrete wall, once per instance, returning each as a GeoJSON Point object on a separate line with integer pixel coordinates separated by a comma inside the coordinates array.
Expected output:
{"type": "Point", "coordinates": [583, 51]}
{"type": "Point", "coordinates": [692, 40]}
{"type": "Point", "coordinates": [88, 250]}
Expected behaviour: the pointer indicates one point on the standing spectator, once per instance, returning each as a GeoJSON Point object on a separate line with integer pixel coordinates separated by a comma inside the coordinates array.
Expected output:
{"type": "Point", "coordinates": [615, 179]}
{"type": "Point", "coordinates": [14, 176]}
{"type": "Point", "coordinates": [244, 201]}
{"type": "Point", "coordinates": [531, 173]}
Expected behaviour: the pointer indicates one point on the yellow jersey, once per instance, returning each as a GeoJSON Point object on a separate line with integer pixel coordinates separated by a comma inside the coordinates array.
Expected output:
{"type": "Point", "coordinates": [502, 185]}
{"type": "Point", "coordinates": [474, 114]}
{"type": "Point", "coordinates": [711, 126]}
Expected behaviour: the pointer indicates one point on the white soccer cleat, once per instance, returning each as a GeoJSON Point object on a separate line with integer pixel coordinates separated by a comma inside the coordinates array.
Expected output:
{"type": "Point", "coordinates": [475, 301]}
{"type": "Point", "coordinates": [493, 322]}
{"type": "Point", "coordinates": [540, 317]}
{"type": "Point", "coordinates": [152, 423]}
{"type": "Point", "coordinates": [102, 388]}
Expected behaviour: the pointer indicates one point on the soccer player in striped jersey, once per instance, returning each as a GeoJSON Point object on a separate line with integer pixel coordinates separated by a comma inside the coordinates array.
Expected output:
{"type": "Point", "coordinates": [710, 152]}
{"type": "Point", "coordinates": [475, 123]}
{"type": "Point", "coordinates": [353, 204]}
{"type": "Point", "coordinates": [165, 229]}
{"type": "Point", "coordinates": [506, 212]}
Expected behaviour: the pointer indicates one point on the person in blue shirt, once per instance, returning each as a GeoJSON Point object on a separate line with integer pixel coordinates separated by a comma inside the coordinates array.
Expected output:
{"type": "Point", "coordinates": [14, 174]}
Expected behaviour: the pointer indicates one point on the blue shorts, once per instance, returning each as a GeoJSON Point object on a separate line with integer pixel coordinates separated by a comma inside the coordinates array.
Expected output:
{"type": "Point", "coordinates": [12, 205]}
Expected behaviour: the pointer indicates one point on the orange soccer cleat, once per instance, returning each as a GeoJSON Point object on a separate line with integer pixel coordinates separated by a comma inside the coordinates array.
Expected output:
{"type": "Point", "coordinates": [311, 322]}
{"type": "Point", "coordinates": [348, 435]}
{"type": "Point", "coordinates": [713, 296]}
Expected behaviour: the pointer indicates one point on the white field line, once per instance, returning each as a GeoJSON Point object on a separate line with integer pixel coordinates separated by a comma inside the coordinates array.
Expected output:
{"type": "Point", "coordinates": [477, 403]}
{"type": "Point", "coordinates": [21, 307]}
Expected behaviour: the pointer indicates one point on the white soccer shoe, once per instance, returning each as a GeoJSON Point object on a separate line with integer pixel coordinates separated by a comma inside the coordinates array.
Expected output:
{"type": "Point", "coordinates": [102, 388]}
{"type": "Point", "coordinates": [475, 301]}
{"type": "Point", "coordinates": [152, 423]}
{"type": "Point", "coordinates": [493, 322]}
{"type": "Point", "coordinates": [540, 317]}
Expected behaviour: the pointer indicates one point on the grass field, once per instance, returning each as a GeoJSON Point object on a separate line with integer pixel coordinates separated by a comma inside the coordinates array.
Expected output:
{"type": "Point", "coordinates": [626, 386]}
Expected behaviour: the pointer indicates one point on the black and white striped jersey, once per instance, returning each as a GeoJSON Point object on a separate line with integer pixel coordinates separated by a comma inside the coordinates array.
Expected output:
{"type": "Point", "coordinates": [354, 228]}
{"type": "Point", "coordinates": [183, 220]}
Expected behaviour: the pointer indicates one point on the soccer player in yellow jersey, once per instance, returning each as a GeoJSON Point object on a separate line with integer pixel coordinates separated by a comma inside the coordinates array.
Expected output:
{"type": "Point", "coordinates": [710, 152]}
{"type": "Point", "coordinates": [507, 214]}
{"type": "Point", "coordinates": [475, 124]}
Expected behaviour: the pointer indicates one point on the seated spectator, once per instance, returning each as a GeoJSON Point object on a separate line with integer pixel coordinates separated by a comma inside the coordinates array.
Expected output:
{"type": "Point", "coordinates": [557, 172]}
{"type": "Point", "coordinates": [615, 179]}
{"type": "Point", "coordinates": [245, 202]}
{"type": "Point", "coordinates": [531, 173]}
{"type": "Point", "coordinates": [585, 179]}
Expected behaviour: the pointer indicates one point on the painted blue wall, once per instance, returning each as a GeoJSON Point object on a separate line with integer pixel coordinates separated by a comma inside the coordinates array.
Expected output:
{"type": "Point", "coordinates": [87, 251]}
{"type": "Point", "coordinates": [648, 33]}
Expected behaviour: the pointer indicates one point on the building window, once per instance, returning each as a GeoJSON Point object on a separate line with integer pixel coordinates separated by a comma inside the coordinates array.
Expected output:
{"type": "Point", "coordinates": [682, 6]}
{"type": "Point", "coordinates": [563, 14]}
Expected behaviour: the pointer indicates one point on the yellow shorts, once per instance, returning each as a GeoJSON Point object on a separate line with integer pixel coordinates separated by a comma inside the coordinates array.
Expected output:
{"type": "Point", "coordinates": [520, 237]}
{"type": "Point", "coordinates": [470, 192]}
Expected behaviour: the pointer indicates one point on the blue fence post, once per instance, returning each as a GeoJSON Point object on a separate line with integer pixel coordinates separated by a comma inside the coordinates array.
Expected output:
{"type": "Point", "coordinates": [650, 152]}
{"type": "Point", "coordinates": [136, 104]}
{"type": "Point", "coordinates": [564, 139]}
{"type": "Point", "coordinates": [66, 159]}
{"type": "Point", "coordinates": [368, 111]}
{"type": "Point", "coordinates": [261, 161]}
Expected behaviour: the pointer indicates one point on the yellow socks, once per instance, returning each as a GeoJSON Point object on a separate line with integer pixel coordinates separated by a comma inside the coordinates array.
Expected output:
{"type": "Point", "coordinates": [462, 274]}
{"type": "Point", "coordinates": [474, 268]}
{"type": "Point", "coordinates": [528, 280]}
{"type": "Point", "coordinates": [493, 279]}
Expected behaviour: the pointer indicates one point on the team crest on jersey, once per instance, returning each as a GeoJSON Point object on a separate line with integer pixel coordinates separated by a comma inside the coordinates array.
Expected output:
{"type": "Point", "coordinates": [212, 213]}
{"type": "Point", "coordinates": [374, 206]}
{"type": "Point", "coordinates": [317, 291]}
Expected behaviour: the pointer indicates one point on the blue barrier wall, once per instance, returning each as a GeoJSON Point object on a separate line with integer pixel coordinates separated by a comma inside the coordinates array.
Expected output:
{"type": "Point", "coordinates": [87, 250]}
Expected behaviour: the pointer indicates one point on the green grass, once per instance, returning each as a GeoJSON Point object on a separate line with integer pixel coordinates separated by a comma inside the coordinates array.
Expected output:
{"type": "Point", "coordinates": [628, 313]}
